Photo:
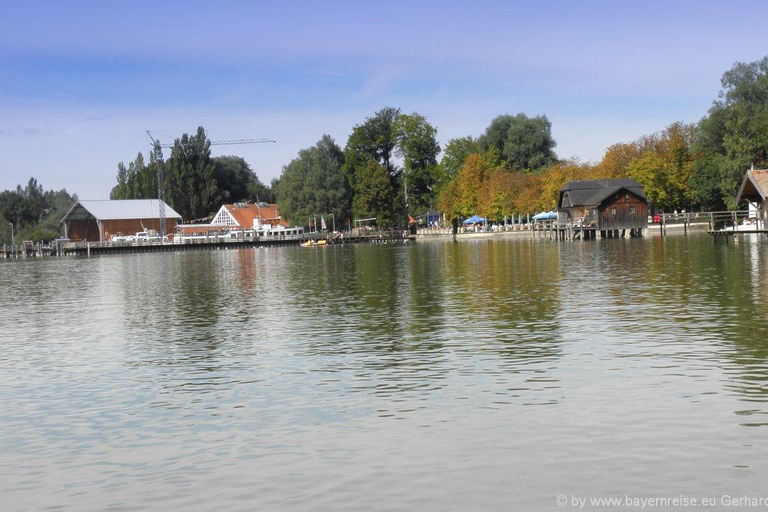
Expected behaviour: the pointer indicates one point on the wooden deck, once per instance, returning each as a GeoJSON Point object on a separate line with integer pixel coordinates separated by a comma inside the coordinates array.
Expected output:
{"type": "Point", "coordinates": [724, 225]}
{"type": "Point", "coordinates": [552, 230]}
{"type": "Point", "coordinates": [722, 235]}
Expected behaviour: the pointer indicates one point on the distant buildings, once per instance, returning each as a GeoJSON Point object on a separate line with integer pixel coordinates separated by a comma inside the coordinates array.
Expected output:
{"type": "Point", "coordinates": [102, 221]}
{"type": "Point", "coordinates": [261, 219]}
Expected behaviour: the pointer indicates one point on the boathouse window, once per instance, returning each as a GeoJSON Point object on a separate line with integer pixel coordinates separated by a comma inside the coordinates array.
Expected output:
{"type": "Point", "coordinates": [613, 211]}
{"type": "Point", "coordinates": [632, 209]}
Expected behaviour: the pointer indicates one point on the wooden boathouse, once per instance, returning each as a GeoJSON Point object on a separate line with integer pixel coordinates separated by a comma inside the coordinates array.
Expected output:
{"type": "Point", "coordinates": [754, 190]}
{"type": "Point", "coordinates": [608, 208]}
{"type": "Point", "coordinates": [98, 221]}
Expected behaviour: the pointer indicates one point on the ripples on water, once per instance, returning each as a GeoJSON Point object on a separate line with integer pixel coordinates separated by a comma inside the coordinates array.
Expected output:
{"type": "Point", "coordinates": [472, 375]}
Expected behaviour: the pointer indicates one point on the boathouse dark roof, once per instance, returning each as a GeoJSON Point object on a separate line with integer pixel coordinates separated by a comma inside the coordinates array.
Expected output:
{"type": "Point", "coordinates": [594, 192]}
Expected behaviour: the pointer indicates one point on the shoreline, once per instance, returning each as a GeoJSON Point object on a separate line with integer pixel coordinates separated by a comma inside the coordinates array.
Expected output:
{"type": "Point", "coordinates": [653, 230]}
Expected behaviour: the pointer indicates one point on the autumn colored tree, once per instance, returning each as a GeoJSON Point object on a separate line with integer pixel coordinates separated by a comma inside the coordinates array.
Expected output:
{"type": "Point", "coordinates": [461, 197]}
{"type": "Point", "coordinates": [665, 170]}
{"type": "Point", "coordinates": [616, 160]}
{"type": "Point", "coordinates": [448, 200]}
{"type": "Point", "coordinates": [455, 153]}
{"type": "Point", "coordinates": [529, 198]}
{"type": "Point", "coordinates": [556, 177]}
{"type": "Point", "coordinates": [499, 194]}
{"type": "Point", "coordinates": [470, 180]}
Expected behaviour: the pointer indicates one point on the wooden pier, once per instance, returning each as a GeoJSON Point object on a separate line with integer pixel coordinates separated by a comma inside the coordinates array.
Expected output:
{"type": "Point", "coordinates": [723, 235]}
{"type": "Point", "coordinates": [553, 230]}
{"type": "Point", "coordinates": [724, 225]}
{"type": "Point", "coordinates": [213, 243]}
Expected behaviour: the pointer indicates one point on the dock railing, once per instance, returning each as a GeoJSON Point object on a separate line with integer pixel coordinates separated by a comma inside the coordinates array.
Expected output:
{"type": "Point", "coordinates": [712, 221]}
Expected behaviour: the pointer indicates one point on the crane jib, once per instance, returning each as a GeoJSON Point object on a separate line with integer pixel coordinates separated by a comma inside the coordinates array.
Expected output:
{"type": "Point", "coordinates": [159, 157]}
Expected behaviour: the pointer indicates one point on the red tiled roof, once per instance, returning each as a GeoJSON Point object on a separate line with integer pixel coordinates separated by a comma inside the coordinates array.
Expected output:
{"type": "Point", "coordinates": [244, 215]}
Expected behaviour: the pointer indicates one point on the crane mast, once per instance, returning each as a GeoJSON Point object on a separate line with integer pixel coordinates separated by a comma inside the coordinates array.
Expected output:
{"type": "Point", "coordinates": [158, 150]}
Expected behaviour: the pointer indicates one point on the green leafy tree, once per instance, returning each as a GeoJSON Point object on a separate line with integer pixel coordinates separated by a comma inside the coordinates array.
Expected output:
{"type": "Point", "coordinates": [195, 184]}
{"type": "Point", "coordinates": [34, 212]}
{"type": "Point", "coordinates": [734, 134]}
{"type": "Point", "coordinates": [137, 181]}
{"type": "Point", "coordinates": [14, 209]}
{"type": "Point", "coordinates": [190, 177]}
{"type": "Point", "coordinates": [236, 181]}
{"type": "Point", "coordinates": [417, 145]}
{"type": "Point", "coordinates": [529, 144]}
{"type": "Point", "coordinates": [314, 183]}
{"type": "Point", "coordinates": [258, 191]}
{"type": "Point", "coordinates": [24, 206]}
{"type": "Point", "coordinates": [375, 195]}
{"type": "Point", "coordinates": [495, 135]}
{"type": "Point", "coordinates": [525, 143]}
{"type": "Point", "coordinates": [706, 181]}
{"type": "Point", "coordinates": [373, 141]}
{"type": "Point", "coordinates": [232, 175]}
{"type": "Point", "coordinates": [122, 189]}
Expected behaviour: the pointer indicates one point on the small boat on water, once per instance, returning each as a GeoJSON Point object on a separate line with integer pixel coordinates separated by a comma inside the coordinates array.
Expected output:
{"type": "Point", "coordinates": [314, 243]}
{"type": "Point", "coordinates": [746, 225]}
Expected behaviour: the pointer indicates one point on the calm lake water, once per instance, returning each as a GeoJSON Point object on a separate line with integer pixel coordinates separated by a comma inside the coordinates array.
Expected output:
{"type": "Point", "coordinates": [478, 375]}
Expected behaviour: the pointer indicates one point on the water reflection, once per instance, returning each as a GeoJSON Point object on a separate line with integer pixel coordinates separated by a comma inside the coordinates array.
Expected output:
{"type": "Point", "coordinates": [371, 367]}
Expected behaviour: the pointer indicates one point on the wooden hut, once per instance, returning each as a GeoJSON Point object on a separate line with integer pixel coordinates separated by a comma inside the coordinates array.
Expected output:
{"type": "Point", "coordinates": [754, 190]}
{"type": "Point", "coordinates": [98, 221]}
{"type": "Point", "coordinates": [608, 207]}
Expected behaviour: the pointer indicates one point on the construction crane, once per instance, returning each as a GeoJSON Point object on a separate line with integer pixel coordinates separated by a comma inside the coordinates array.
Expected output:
{"type": "Point", "coordinates": [158, 149]}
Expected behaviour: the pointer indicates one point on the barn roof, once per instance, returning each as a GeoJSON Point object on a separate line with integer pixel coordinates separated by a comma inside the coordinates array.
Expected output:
{"type": "Point", "coordinates": [119, 209]}
{"type": "Point", "coordinates": [592, 192]}
{"type": "Point", "coordinates": [754, 186]}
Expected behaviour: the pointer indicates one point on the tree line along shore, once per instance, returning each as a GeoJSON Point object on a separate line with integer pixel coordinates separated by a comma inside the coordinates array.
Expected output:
{"type": "Point", "coordinates": [392, 167]}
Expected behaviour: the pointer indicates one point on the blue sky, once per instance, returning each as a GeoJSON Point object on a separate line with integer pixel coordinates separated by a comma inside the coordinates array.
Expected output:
{"type": "Point", "coordinates": [81, 82]}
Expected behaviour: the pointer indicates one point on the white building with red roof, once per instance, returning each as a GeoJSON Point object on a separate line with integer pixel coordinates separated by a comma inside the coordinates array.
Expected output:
{"type": "Point", "coordinates": [243, 220]}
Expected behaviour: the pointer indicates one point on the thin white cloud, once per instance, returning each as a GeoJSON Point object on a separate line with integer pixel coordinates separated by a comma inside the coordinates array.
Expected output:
{"type": "Point", "coordinates": [380, 83]}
